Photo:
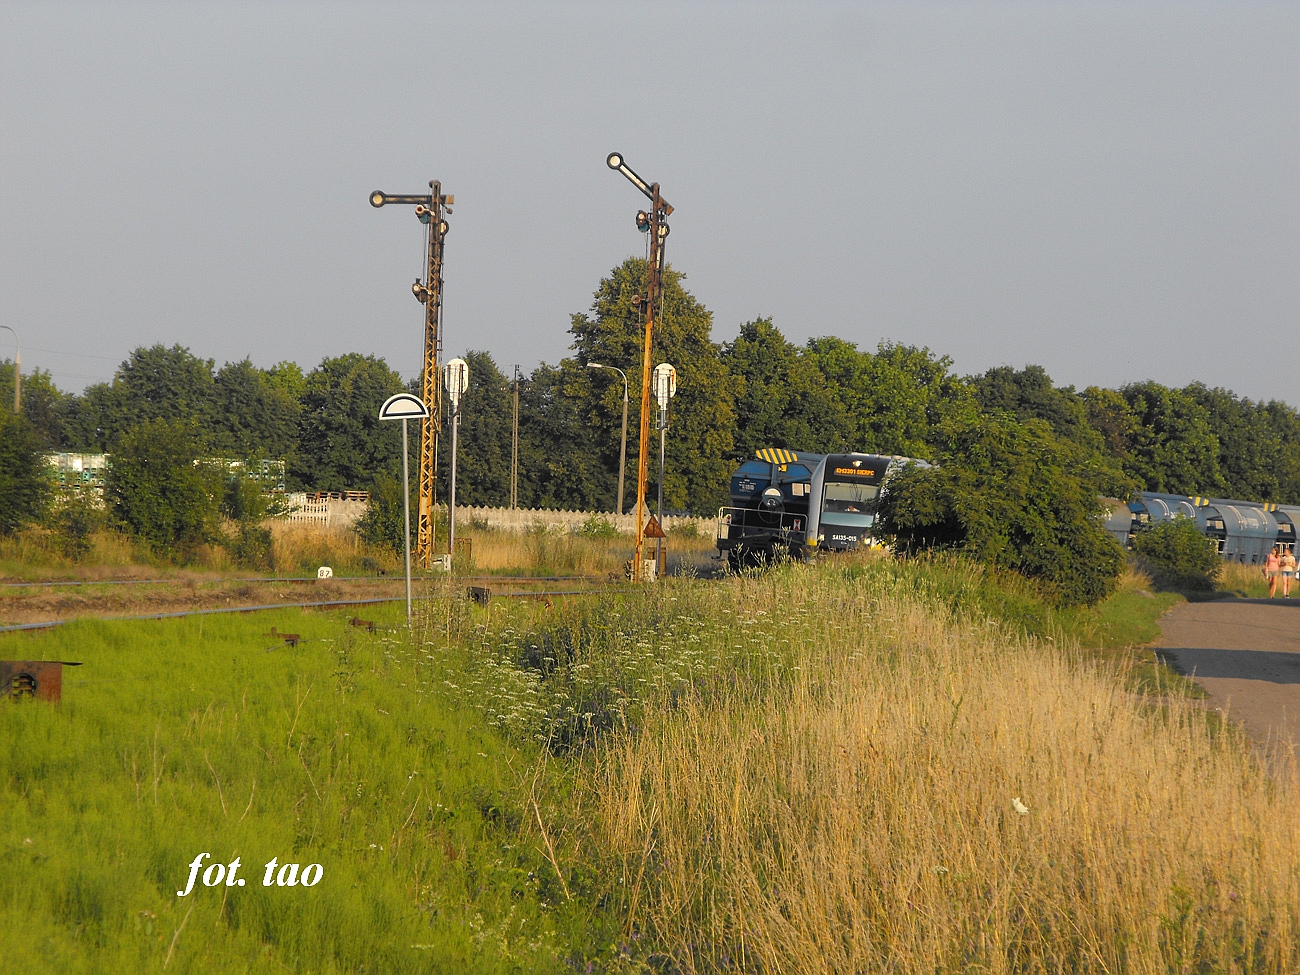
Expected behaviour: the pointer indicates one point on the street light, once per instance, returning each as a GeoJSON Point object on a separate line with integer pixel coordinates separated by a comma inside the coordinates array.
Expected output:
{"type": "Point", "coordinates": [622, 450]}
{"type": "Point", "coordinates": [658, 230]}
{"type": "Point", "coordinates": [18, 370]}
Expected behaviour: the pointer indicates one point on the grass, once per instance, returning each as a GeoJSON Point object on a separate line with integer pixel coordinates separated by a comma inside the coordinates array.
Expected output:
{"type": "Point", "coordinates": [810, 769]}
{"type": "Point", "coordinates": [206, 735]}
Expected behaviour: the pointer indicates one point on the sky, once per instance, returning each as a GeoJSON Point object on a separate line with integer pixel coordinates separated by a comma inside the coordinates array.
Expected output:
{"type": "Point", "coordinates": [1108, 190]}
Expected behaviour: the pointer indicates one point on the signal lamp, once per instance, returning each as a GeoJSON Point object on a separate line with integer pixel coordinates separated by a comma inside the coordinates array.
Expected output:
{"type": "Point", "coordinates": [443, 227]}
{"type": "Point", "coordinates": [642, 221]}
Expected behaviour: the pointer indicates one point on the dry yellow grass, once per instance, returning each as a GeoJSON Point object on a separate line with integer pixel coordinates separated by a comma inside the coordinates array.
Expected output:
{"type": "Point", "coordinates": [924, 794]}
{"type": "Point", "coordinates": [567, 553]}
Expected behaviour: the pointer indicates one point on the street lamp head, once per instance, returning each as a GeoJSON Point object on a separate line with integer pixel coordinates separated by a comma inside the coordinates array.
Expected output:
{"type": "Point", "coordinates": [595, 365]}
{"type": "Point", "coordinates": [377, 198]}
{"type": "Point", "coordinates": [613, 161]}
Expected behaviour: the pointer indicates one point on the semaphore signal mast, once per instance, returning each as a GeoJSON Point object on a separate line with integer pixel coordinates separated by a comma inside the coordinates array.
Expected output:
{"type": "Point", "coordinates": [430, 210]}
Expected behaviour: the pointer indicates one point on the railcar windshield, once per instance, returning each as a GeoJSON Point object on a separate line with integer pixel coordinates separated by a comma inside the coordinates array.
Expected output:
{"type": "Point", "coordinates": [849, 504]}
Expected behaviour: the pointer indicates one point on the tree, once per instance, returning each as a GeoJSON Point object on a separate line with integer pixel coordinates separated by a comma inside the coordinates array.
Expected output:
{"type": "Point", "coordinates": [159, 487]}
{"type": "Point", "coordinates": [152, 383]}
{"type": "Point", "coordinates": [255, 416]}
{"type": "Point", "coordinates": [486, 418]}
{"type": "Point", "coordinates": [45, 405]}
{"type": "Point", "coordinates": [890, 402]}
{"type": "Point", "coordinates": [1250, 449]}
{"type": "Point", "coordinates": [1174, 449]}
{"type": "Point", "coordinates": [343, 444]}
{"type": "Point", "coordinates": [699, 445]}
{"type": "Point", "coordinates": [24, 478]}
{"type": "Point", "coordinates": [782, 399]}
{"type": "Point", "coordinates": [1011, 495]}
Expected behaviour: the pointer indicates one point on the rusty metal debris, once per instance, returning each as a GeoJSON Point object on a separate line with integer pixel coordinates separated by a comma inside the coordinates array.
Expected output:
{"type": "Point", "coordinates": [367, 625]}
{"type": "Point", "coordinates": [41, 680]}
{"type": "Point", "coordinates": [289, 638]}
{"type": "Point", "coordinates": [480, 594]}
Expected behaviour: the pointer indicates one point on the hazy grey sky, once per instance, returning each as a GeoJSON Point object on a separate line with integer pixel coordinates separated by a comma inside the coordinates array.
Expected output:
{"type": "Point", "coordinates": [1108, 190]}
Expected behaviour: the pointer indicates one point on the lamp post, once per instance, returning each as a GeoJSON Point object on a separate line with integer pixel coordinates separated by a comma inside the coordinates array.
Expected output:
{"type": "Point", "coordinates": [514, 449]}
{"type": "Point", "coordinates": [404, 406]}
{"type": "Point", "coordinates": [456, 381]}
{"type": "Point", "coordinates": [18, 370]}
{"type": "Point", "coordinates": [651, 222]}
{"type": "Point", "coordinates": [622, 450]}
{"type": "Point", "coordinates": [665, 390]}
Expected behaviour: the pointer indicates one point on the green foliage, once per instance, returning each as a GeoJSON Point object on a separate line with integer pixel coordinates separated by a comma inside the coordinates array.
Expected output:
{"type": "Point", "coordinates": [1013, 496]}
{"type": "Point", "coordinates": [483, 452]}
{"type": "Point", "coordinates": [75, 517]}
{"type": "Point", "coordinates": [250, 547]}
{"type": "Point", "coordinates": [159, 487]}
{"type": "Point", "coordinates": [384, 523]}
{"type": "Point", "coordinates": [24, 477]}
{"type": "Point", "coordinates": [1174, 447]}
{"type": "Point", "coordinates": [1180, 554]}
{"type": "Point", "coordinates": [46, 406]}
{"type": "Point", "coordinates": [344, 445]}
{"type": "Point", "coordinates": [255, 415]}
{"type": "Point", "coordinates": [597, 527]}
{"type": "Point", "coordinates": [699, 443]}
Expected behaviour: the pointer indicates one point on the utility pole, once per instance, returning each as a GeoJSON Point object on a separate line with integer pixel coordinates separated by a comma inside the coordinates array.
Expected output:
{"type": "Point", "coordinates": [514, 450]}
{"type": "Point", "coordinates": [652, 223]}
{"type": "Point", "coordinates": [430, 210]}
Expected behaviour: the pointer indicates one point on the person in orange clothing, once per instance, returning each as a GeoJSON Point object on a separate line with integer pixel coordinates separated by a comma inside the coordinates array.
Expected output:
{"type": "Point", "coordinates": [1272, 565]}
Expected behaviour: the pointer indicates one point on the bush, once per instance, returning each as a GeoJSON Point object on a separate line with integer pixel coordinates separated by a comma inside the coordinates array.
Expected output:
{"type": "Point", "coordinates": [1011, 495]}
{"type": "Point", "coordinates": [161, 490]}
{"type": "Point", "coordinates": [596, 527]}
{"type": "Point", "coordinates": [1180, 555]}
{"type": "Point", "coordinates": [78, 514]}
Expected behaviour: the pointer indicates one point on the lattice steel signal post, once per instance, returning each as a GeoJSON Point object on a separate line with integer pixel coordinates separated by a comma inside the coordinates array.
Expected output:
{"type": "Point", "coordinates": [431, 210]}
{"type": "Point", "coordinates": [652, 223]}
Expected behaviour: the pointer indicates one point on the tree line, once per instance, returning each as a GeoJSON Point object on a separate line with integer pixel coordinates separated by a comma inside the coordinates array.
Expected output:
{"type": "Point", "coordinates": [757, 390]}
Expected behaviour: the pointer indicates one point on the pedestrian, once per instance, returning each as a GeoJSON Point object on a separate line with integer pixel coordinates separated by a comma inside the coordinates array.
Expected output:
{"type": "Point", "coordinates": [1272, 565]}
{"type": "Point", "coordinates": [1288, 572]}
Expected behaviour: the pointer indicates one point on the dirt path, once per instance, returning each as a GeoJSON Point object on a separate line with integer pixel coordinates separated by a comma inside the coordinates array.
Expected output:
{"type": "Point", "coordinates": [1246, 654]}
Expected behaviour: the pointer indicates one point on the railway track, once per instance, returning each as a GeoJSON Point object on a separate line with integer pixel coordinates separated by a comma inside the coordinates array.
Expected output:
{"type": "Point", "coordinates": [315, 604]}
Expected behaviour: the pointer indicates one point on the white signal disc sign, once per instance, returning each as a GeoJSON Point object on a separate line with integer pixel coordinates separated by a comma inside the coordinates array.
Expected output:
{"type": "Point", "coordinates": [456, 379]}
{"type": "Point", "coordinates": [664, 384]}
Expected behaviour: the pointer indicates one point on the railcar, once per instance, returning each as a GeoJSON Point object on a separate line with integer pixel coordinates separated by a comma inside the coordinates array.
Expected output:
{"type": "Point", "coordinates": [1243, 531]}
{"type": "Point", "coordinates": [792, 502]}
{"type": "Point", "coordinates": [768, 514]}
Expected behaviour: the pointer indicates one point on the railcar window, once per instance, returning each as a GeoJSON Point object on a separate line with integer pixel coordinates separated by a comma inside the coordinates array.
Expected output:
{"type": "Point", "coordinates": [849, 504]}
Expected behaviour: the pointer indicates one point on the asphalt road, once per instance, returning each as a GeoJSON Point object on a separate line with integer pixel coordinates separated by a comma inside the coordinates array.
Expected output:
{"type": "Point", "coordinates": [1246, 654]}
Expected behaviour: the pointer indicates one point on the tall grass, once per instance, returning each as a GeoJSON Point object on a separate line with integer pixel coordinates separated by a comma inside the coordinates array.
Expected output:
{"type": "Point", "coordinates": [926, 792]}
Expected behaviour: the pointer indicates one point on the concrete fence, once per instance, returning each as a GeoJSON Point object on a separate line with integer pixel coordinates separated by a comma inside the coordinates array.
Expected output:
{"type": "Point", "coordinates": [341, 513]}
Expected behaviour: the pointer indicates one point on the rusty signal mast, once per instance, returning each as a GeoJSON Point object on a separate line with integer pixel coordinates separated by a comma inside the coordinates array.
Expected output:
{"type": "Point", "coordinates": [430, 209]}
{"type": "Point", "coordinates": [651, 222]}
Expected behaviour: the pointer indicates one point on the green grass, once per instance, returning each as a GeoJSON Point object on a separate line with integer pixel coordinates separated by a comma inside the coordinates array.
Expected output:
{"type": "Point", "coordinates": [179, 737]}
{"type": "Point", "coordinates": [433, 778]}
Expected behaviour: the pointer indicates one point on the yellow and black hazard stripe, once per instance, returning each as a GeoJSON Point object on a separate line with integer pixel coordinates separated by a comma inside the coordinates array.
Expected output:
{"type": "Point", "coordinates": [775, 455]}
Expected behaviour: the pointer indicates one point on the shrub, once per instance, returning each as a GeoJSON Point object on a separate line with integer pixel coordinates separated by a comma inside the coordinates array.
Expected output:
{"type": "Point", "coordinates": [1180, 555]}
{"type": "Point", "coordinates": [596, 527]}
{"type": "Point", "coordinates": [161, 490]}
{"type": "Point", "coordinates": [1011, 495]}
